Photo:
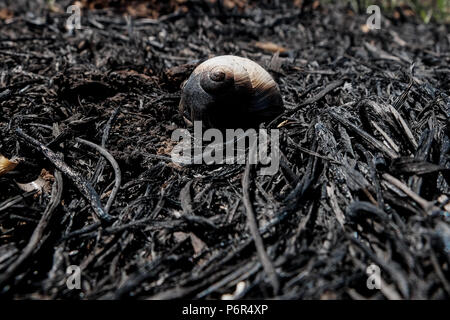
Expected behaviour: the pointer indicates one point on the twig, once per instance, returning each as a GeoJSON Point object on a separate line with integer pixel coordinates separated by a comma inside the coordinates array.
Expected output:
{"type": "Point", "coordinates": [39, 231]}
{"type": "Point", "coordinates": [102, 151]}
{"type": "Point", "coordinates": [426, 205]}
{"type": "Point", "coordinates": [83, 186]}
{"type": "Point", "coordinates": [10, 202]}
{"type": "Point", "coordinates": [114, 164]}
{"type": "Point", "coordinates": [312, 153]}
{"type": "Point", "coordinates": [330, 87]}
{"type": "Point", "coordinates": [253, 226]}
{"type": "Point", "coordinates": [367, 137]}
{"type": "Point", "coordinates": [393, 270]}
{"type": "Point", "coordinates": [105, 136]}
{"type": "Point", "coordinates": [401, 99]}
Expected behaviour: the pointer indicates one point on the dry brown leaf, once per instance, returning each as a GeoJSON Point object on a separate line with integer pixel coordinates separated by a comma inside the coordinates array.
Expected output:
{"type": "Point", "coordinates": [42, 183]}
{"type": "Point", "coordinates": [137, 8]}
{"type": "Point", "coordinates": [283, 123]}
{"type": "Point", "coordinates": [7, 165]}
{"type": "Point", "coordinates": [231, 4]}
{"type": "Point", "coordinates": [270, 47]}
{"type": "Point", "coordinates": [365, 28]}
{"type": "Point", "coordinates": [197, 244]}
{"type": "Point", "coordinates": [180, 236]}
{"type": "Point", "coordinates": [298, 3]}
{"type": "Point", "coordinates": [315, 4]}
{"type": "Point", "coordinates": [6, 14]}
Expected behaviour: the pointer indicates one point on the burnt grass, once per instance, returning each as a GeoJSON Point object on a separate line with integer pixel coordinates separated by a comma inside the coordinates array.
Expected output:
{"type": "Point", "coordinates": [363, 177]}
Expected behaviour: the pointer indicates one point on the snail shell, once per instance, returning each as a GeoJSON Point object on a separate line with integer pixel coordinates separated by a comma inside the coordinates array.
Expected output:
{"type": "Point", "coordinates": [231, 92]}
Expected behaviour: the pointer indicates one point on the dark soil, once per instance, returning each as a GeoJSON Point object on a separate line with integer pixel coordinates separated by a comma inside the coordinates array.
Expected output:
{"type": "Point", "coordinates": [364, 176]}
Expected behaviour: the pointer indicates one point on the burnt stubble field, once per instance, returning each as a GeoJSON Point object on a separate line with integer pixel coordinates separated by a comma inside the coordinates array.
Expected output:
{"type": "Point", "coordinates": [364, 144]}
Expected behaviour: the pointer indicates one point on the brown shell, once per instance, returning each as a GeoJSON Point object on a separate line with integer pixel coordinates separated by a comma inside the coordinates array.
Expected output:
{"type": "Point", "coordinates": [231, 92]}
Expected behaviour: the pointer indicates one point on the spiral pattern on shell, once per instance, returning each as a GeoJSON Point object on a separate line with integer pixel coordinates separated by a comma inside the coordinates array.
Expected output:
{"type": "Point", "coordinates": [231, 92]}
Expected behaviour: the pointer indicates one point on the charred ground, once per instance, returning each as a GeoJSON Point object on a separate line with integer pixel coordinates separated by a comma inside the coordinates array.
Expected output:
{"type": "Point", "coordinates": [364, 174]}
